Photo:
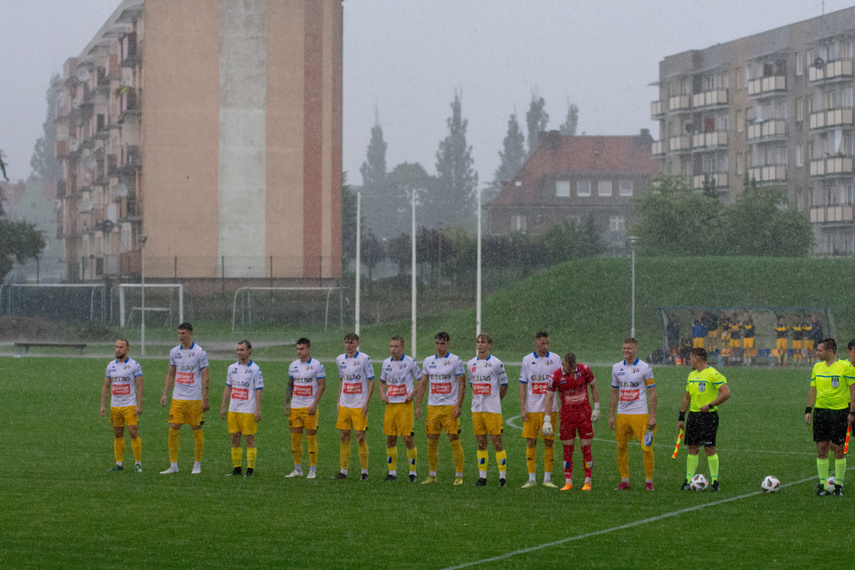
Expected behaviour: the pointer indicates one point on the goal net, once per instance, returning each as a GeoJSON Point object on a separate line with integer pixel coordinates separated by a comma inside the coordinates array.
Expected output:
{"type": "Point", "coordinates": [57, 302]}
{"type": "Point", "coordinates": [163, 304]}
{"type": "Point", "coordinates": [254, 306]}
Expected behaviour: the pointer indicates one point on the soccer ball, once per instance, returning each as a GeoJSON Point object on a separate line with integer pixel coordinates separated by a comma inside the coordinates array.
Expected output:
{"type": "Point", "coordinates": [770, 484]}
{"type": "Point", "coordinates": [698, 483]}
{"type": "Point", "coordinates": [831, 482]}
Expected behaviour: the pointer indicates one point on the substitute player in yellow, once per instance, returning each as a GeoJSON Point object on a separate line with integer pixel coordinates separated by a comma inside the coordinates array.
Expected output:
{"type": "Point", "coordinates": [306, 385]}
{"type": "Point", "coordinates": [706, 390]}
{"type": "Point", "coordinates": [832, 392]}
{"type": "Point", "coordinates": [444, 375]}
{"type": "Point", "coordinates": [357, 384]}
{"type": "Point", "coordinates": [632, 411]}
{"type": "Point", "coordinates": [536, 371]}
{"type": "Point", "coordinates": [489, 383]}
{"type": "Point", "coordinates": [242, 402]}
{"type": "Point", "coordinates": [188, 378]}
{"type": "Point", "coordinates": [124, 383]}
{"type": "Point", "coordinates": [398, 376]}
{"type": "Point", "coordinates": [781, 330]}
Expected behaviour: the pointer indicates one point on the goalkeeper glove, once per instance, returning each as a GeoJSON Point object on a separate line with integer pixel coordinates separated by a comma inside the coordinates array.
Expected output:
{"type": "Point", "coordinates": [595, 415]}
{"type": "Point", "coordinates": [547, 426]}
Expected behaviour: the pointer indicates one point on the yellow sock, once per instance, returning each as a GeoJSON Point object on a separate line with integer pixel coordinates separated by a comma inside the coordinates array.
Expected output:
{"type": "Point", "coordinates": [237, 456]}
{"type": "Point", "coordinates": [119, 448]}
{"type": "Point", "coordinates": [531, 459]}
{"type": "Point", "coordinates": [362, 449]}
{"type": "Point", "coordinates": [457, 451]}
{"type": "Point", "coordinates": [136, 445]}
{"type": "Point", "coordinates": [297, 447]}
{"type": "Point", "coordinates": [482, 462]}
{"type": "Point", "coordinates": [433, 455]}
{"type": "Point", "coordinates": [392, 458]}
{"type": "Point", "coordinates": [251, 453]}
{"type": "Point", "coordinates": [173, 445]}
{"type": "Point", "coordinates": [312, 443]}
{"type": "Point", "coordinates": [199, 444]}
{"type": "Point", "coordinates": [412, 455]}
{"type": "Point", "coordinates": [548, 460]}
{"type": "Point", "coordinates": [344, 455]}
{"type": "Point", "coordinates": [502, 463]}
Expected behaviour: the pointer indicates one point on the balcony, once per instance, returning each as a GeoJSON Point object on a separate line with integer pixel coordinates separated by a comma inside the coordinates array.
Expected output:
{"type": "Point", "coordinates": [826, 214]}
{"type": "Point", "coordinates": [716, 179]}
{"type": "Point", "coordinates": [771, 129]}
{"type": "Point", "coordinates": [831, 118]}
{"type": "Point", "coordinates": [837, 69]}
{"type": "Point", "coordinates": [679, 103]}
{"type": "Point", "coordinates": [129, 52]}
{"type": "Point", "coordinates": [60, 189]}
{"type": "Point", "coordinates": [712, 98]}
{"type": "Point", "coordinates": [831, 166]}
{"type": "Point", "coordinates": [658, 148]}
{"type": "Point", "coordinates": [62, 149]}
{"type": "Point", "coordinates": [656, 110]}
{"type": "Point", "coordinates": [765, 86]}
{"type": "Point", "coordinates": [679, 143]}
{"type": "Point", "coordinates": [768, 173]}
{"type": "Point", "coordinates": [709, 140]}
{"type": "Point", "coordinates": [129, 160]}
{"type": "Point", "coordinates": [128, 103]}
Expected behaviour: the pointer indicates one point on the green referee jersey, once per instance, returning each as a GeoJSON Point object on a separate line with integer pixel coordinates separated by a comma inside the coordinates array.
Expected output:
{"type": "Point", "coordinates": [832, 384]}
{"type": "Point", "coordinates": [703, 388]}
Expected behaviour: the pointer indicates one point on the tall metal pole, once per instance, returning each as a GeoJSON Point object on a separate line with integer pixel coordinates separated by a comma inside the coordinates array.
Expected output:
{"type": "Point", "coordinates": [632, 241]}
{"type": "Point", "coordinates": [413, 279]}
{"type": "Point", "coordinates": [358, 258]}
{"type": "Point", "coordinates": [478, 274]}
{"type": "Point", "coordinates": [142, 295]}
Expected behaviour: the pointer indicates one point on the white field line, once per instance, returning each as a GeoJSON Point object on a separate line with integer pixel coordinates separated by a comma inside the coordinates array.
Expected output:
{"type": "Point", "coordinates": [512, 422]}
{"type": "Point", "coordinates": [622, 527]}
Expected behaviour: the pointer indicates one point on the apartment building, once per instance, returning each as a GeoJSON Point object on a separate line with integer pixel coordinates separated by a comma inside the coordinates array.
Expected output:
{"type": "Point", "coordinates": [210, 131]}
{"type": "Point", "coordinates": [772, 108]}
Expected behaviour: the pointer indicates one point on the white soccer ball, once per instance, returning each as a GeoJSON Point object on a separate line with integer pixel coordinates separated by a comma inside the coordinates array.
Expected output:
{"type": "Point", "coordinates": [831, 482]}
{"type": "Point", "coordinates": [770, 484]}
{"type": "Point", "coordinates": [698, 483]}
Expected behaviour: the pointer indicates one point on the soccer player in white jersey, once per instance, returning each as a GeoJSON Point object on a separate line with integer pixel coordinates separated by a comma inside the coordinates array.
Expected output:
{"type": "Point", "coordinates": [633, 397]}
{"type": "Point", "coordinates": [445, 376]}
{"type": "Point", "coordinates": [536, 370]}
{"type": "Point", "coordinates": [489, 383]}
{"type": "Point", "coordinates": [242, 401]}
{"type": "Point", "coordinates": [357, 384]}
{"type": "Point", "coordinates": [398, 376]}
{"type": "Point", "coordinates": [124, 381]}
{"type": "Point", "coordinates": [188, 378]}
{"type": "Point", "coordinates": [306, 385]}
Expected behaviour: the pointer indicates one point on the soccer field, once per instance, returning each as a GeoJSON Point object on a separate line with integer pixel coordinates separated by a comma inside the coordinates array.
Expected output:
{"type": "Point", "coordinates": [61, 508]}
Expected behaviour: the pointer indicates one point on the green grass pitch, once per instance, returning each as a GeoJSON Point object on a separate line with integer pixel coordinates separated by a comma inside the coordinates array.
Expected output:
{"type": "Point", "coordinates": [61, 508]}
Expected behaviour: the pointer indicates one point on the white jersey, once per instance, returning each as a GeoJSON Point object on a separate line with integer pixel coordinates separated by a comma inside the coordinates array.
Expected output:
{"type": "Point", "coordinates": [188, 363]}
{"type": "Point", "coordinates": [633, 380]}
{"type": "Point", "coordinates": [123, 386]}
{"type": "Point", "coordinates": [486, 377]}
{"type": "Point", "coordinates": [305, 376]}
{"type": "Point", "coordinates": [400, 377]}
{"type": "Point", "coordinates": [355, 373]}
{"type": "Point", "coordinates": [442, 376]}
{"type": "Point", "coordinates": [535, 372]}
{"type": "Point", "coordinates": [245, 381]}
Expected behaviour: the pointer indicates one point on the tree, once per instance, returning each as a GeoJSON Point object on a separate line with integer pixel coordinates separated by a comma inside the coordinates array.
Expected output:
{"type": "Point", "coordinates": [536, 119]}
{"type": "Point", "coordinates": [568, 127]}
{"type": "Point", "coordinates": [400, 252]}
{"type": "Point", "coordinates": [19, 241]}
{"type": "Point", "coordinates": [374, 168]}
{"type": "Point", "coordinates": [762, 223]}
{"type": "Point", "coordinates": [456, 179]}
{"type": "Point", "coordinates": [348, 222]}
{"type": "Point", "coordinates": [512, 158]}
{"type": "Point", "coordinates": [401, 182]}
{"type": "Point", "coordinates": [372, 252]}
{"type": "Point", "coordinates": [43, 161]}
{"type": "Point", "coordinates": [3, 166]}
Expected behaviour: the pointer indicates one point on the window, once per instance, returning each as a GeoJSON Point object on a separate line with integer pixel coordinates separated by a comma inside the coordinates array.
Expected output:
{"type": "Point", "coordinates": [625, 188]}
{"type": "Point", "coordinates": [739, 166]}
{"type": "Point", "coordinates": [518, 223]}
{"type": "Point", "coordinates": [800, 155]}
{"type": "Point", "coordinates": [583, 188]}
{"type": "Point", "coordinates": [604, 188]}
{"type": "Point", "coordinates": [562, 189]}
{"type": "Point", "coordinates": [740, 122]}
{"type": "Point", "coordinates": [617, 224]}
{"type": "Point", "coordinates": [800, 112]}
{"type": "Point", "coordinates": [800, 63]}
{"type": "Point", "coordinates": [740, 77]}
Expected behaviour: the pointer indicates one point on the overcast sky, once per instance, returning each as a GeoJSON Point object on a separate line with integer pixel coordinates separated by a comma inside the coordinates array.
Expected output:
{"type": "Point", "coordinates": [404, 60]}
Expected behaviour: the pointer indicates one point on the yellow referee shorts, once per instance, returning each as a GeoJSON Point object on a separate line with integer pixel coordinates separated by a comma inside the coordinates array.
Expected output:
{"type": "Point", "coordinates": [187, 412]}
{"type": "Point", "coordinates": [242, 423]}
{"type": "Point", "coordinates": [629, 425]}
{"type": "Point", "coordinates": [123, 416]}
{"type": "Point", "coordinates": [398, 419]}
{"type": "Point", "coordinates": [300, 418]}
{"type": "Point", "coordinates": [484, 423]}
{"type": "Point", "coordinates": [533, 426]}
{"type": "Point", "coordinates": [351, 418]}
{"type": "Point", "coordinates": [441, 418]}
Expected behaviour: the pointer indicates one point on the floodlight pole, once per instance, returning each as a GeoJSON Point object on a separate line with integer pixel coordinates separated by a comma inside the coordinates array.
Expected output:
{"type": "Point", "coordinates": [478, 273]}
{"type": "Point", "coordinates": [632, 241]}
{"type": "Point", "coordinates": [358, 259]}
{"type": "Point", "coordinates": [413, 278]}
{"type": "Point", "coordinates": [142, 294]}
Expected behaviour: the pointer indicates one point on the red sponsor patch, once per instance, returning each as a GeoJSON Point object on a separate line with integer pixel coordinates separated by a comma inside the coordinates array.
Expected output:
{"type": "Point", "coordinates": [482, 389]}
{"type": "Point", "coordinates": [240, 394]}
{"type": "Point", "coordinates": [538, 387]}
{"type": "Point", "coordinates": [302, 390]}
{"type": "Point", "coordinates": [184, 377]}
{"type": "Point", "coordinates": [121, 389]}
{"type": "Point", "coordinates": [400, 390]}
{"type": "Point", "coordinates": [350, 388]}
{"type": "Point", "coordinates": [440, 388]}
{"type": "Point", "coordinates": [628, 395]}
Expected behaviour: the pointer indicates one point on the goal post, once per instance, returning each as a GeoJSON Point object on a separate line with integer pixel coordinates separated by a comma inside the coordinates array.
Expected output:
{"type": "Point", "coordinates": [272, 308]}
{"type": "Point", "coordinates": [58, 301]}
{"type": "Point", "coordinates": [128, 301]}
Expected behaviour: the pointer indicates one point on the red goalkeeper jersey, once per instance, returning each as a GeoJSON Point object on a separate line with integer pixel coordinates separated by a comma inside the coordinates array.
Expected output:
{"type": "Point", "coordinates": [573, 389]}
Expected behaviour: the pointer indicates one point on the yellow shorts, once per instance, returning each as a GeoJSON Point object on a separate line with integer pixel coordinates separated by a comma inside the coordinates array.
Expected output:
{"type": "Point", "coordinates": [484, 423]}
{"type": "Point", "coordinates": [734, 343]}
{"type": "Point", "coordinates": [748, 342]}
{"type": "Point", "coordinates": [808, 345]}
{"type": "Point", "coordinates": [351, 418]}
{"type": "Point", "coordinates": [398, 419]}
{"type": "Point", "coordinates": [533, 427]}
{"type": "Point", "coordinates": [300, 418]}
{"type": "Point", "coordinates": [782, 344]}
{"type": "Point", "coordinates": [186, 412]}
{"type": "Point", "coordinates": [698, 342]}
{"type": "Point", "coordinates": [123, 416]}
{"type": "Point", "coordinates": [797, 345]}
{"type": "Point", "coordinates": [242, 423]}
{"type": "Point", "coordinates": [439, 418]}
{"type": "Point", "coordinates": [629, 425]}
